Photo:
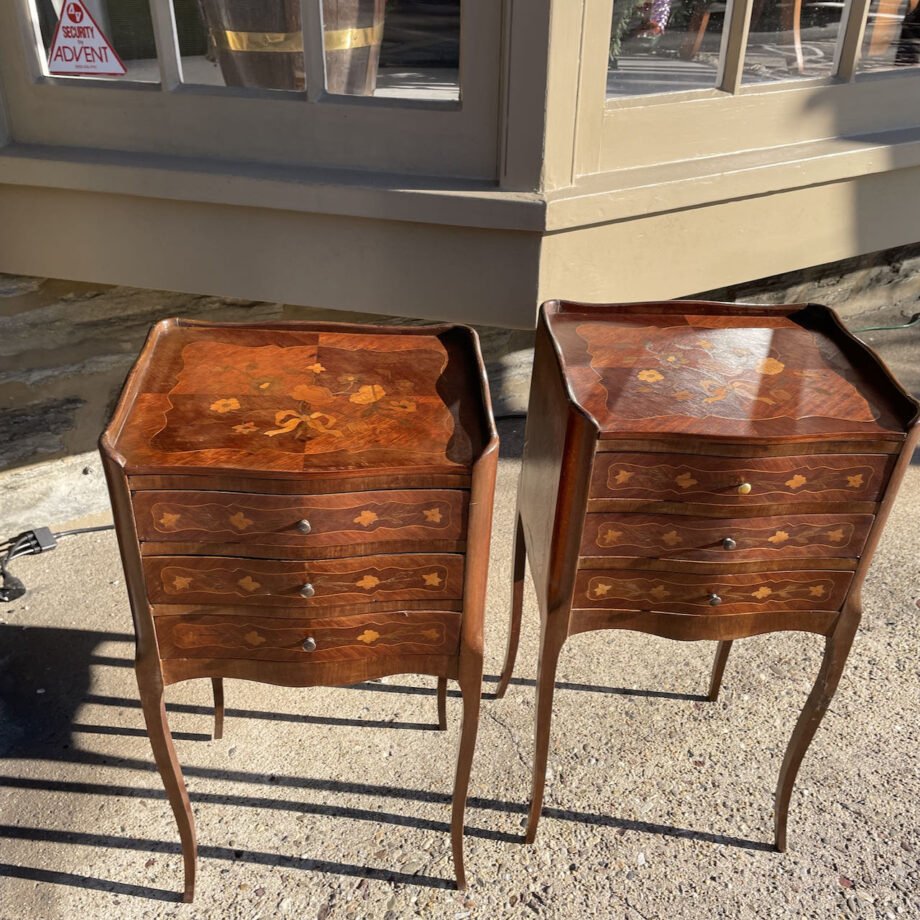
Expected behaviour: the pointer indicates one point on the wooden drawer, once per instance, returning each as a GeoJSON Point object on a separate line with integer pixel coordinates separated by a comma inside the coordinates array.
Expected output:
{"type": "Point", "coordinates": [336, 639]}
{"type": "Point", "coordinates": [215, 523]}
{"type": "Point", "coordinates": [335, 582]}
{"type": "Point", "coordinates": [625, 589]}
{"type": "Point", "coordinates": [724, 480]}
{"type": "Point", "coordinates": [678, 537]}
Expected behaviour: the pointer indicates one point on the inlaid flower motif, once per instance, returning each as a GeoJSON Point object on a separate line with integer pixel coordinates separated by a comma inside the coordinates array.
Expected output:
{"type": "Point", "coordinates": [368, 636]}
{"type": "Point", "coordinates": [432, 579]}
{"type": "Point", "coordinates": [261, 384]}
{"type": "Point", "coordinates": [854, 482]}
{"type": "Point", "coordinates": [240, 521]}
{"type": "Point", "coordinates": [225, 405]}
{"type": "Point", "coordinates": [622, 476]}
{"type": "Point", "coordinates": [779, 537]}
{"type": "Point", "coordinates": [672, 358]}
{"type": "Point", "coordinates": [402, 405]}
{"type": "Point", "coordinates": [366, 518]}
{"type": "Point", "coordinates": [181, 582]}
{"type": "Point", "coordinates": [672, 538]}
{"type": "Point", "coordinates": [246, 428]}
{"type": "Point", "coordinates": [254, 638]}
{"type": "Point", "coordinates": [685, 480]}
{"type": "Point", "coordinates": [368, 582]}
{"type": "Point", "coordinates": [367, 394]}
{"type": "Point", "coordinates": [432, 514]}
{"type": "Point", "coordinates": [816, 591]}
{"type": "Point", "coordinates": [762, 592]}
{"type": "Point", "coordinates": [312, 394]}
{"type": "Point", "coordinates": [660, 592]}
{"type": "Point", "coordinates": [249, 584]}
{"type": "Point", "coordinates": [316, 368]}
{"type": "Point", "coordinates": [769, 366]}
{"type": "Point", "coordinates": [650, 376]}
{"type": "Point", "coordinates": [608, 537]}
{"type": "Point", "coordinates": [796, 481]}
{"type": "Point", "coordinates": [835, 535]}
{"type": "Point", "coordinates": [602, 589]}
{"type": "Point", "coordinates": [168, 520]}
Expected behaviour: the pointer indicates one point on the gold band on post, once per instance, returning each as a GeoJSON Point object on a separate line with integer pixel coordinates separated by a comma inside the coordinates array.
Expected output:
{"type": "Point", "coordinates": [259, 41]}
{"type": "Point", "coordinates": [292, 42]}
{"type": "Point", "coordinates": [344, 39]}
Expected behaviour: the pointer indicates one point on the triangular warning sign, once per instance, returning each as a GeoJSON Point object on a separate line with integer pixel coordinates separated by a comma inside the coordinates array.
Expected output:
{"type": "Point", "coordinates": [80, 48]}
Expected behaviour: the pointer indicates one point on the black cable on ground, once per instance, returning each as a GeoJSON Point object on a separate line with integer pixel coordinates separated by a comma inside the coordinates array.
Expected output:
{"type": "Point", "coordinates": [30, 543]}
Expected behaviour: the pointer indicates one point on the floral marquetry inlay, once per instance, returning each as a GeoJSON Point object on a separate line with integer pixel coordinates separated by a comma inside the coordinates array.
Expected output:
{"type": "Point", "coordinates": [835, 535]}
{"type": "Point", "coordinates": [762, 592]}
{"type": "Point", "coordinates": [169, 521]}
{"type": "Point", "coordinates": [248, 583]}
{"type": "Point", "coordinates": [366, 518]}
{"type": "Point", "coordinates": [432, 579]}
{"type": "Point", "coordinates": [240, 521]}
{"type": "Point", "coordinates": [672, 538]}
{"type": "Point", "coordinates": [432, 514]}
{"type": "Point", "coordinates": [254, 638]}
{"type": "Point", "coordinates": [779, 537]}
{"type": "Point", "coordinates": [855, 482]}
{"type": "Point", "coordinates": [685, 480]}
{"type": "Point", "coordinates": [369, 636]}
{"type": "Point", "coordinates": [368, 582]}
{"type": "Point", "coordinates": [660, 592]}
{"type": "Point", "coordinates": [796, 481]}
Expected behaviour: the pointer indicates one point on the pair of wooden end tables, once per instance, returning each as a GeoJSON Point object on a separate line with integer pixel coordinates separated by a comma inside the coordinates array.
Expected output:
{"type": "Point", "coordinates": [310, 504]}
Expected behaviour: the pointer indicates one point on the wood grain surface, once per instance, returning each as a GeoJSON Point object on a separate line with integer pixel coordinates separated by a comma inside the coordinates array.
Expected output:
{"type": "Point", "coordinates": [350, 523]}
{"type": "Point", "coordinates": [725, 540]}
{"type": "Point", "coordinates": [719, 480]}
{"type": "Point", "coordinates": [366, 579]}
{"type": "Point", "coordinates": [620, 589]}
{"type": "Point", "coordinates": [273, 639]}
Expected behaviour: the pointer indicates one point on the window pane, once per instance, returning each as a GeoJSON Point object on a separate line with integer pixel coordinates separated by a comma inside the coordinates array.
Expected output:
{"type": "Point", "coordinates": [102, 39]}
{"type": "Point", "coordinates": [394, 48]}
{"type": "Point", "coordinates": [255, 43]}
{"type": "Point", "coordinates": [403, 48]}
{"type": "Point", "coordinates": [789, 40]}
{"type": "Point", "coordinates": [892, 37]}
{"type": "Point", "coordinates": [661, 46]}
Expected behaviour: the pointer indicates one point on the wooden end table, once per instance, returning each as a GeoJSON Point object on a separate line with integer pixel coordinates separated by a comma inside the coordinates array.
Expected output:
{"type": "Point", "coordinates": [304, 504]}
{"type": "Point", "coordinates": [703, 471]}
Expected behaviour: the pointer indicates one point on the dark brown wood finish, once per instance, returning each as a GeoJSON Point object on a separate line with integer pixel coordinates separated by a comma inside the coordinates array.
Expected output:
{"type": "Point", "coordinates": [304, 504]}
{"type": "Point", "coordinates": [741, 461]}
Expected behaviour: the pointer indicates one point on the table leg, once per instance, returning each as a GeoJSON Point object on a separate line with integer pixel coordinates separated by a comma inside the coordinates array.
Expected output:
{"type": "Point", "coordinates": [552, 637]}
{"type": "Point", "coordinates": [164, 753]}
{"type": "Point", "coordinates": [718, 669]}
{"type": "Point", "coordinates": [471, 691]}
{"type": "Point", "coordinates": [442, 703]}
{"type": "Point", "coordinates": [836, 649]}
{"type": "Point", "coordinates": [217, 685]}
{"type": "Point", "coordinates": [517, 603]}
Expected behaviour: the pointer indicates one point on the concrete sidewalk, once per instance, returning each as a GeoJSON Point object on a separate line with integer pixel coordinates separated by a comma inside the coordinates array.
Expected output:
{"type": "Point", "coordinates": [334, 803]}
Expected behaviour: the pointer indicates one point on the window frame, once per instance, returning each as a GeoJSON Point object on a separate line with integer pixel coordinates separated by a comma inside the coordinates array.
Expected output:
{"type": "Point", "coordinates": [309, 129]}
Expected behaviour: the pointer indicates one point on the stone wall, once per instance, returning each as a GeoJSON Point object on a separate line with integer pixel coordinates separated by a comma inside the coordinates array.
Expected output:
{"type": "Point", "coordinates": [66, 347]}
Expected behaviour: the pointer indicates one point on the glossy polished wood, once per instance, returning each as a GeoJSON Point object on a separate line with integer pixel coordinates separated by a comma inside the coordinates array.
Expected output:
{"type": "Point", "coordinates": [304, 504]}
{"type": "Point", "coordinates": [350, 524]}
{"type": "Point", "coordinates": [703, 471]}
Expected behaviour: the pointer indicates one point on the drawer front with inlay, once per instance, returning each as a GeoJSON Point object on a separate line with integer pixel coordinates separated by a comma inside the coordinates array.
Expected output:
{"type": "Point", "coordinates": [314, 640]}
{"type": "Point", "coordinates": [305, 525]}
{"type": "Point", "coordinates": [625, 589]}
{"type": "Point", "coordinates": [321, 582]}
{"type": "Point", "coordinates": [739, 482]}
{"type": "Point", "coordinates": [679, 537]}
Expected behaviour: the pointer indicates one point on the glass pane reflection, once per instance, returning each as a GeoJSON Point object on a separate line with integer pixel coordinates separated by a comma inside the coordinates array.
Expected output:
{"type": "Point", "coordinates": [892, 36]}
{"type": "Point", "coordinates": [663, 46]}
{"type": "Point", "coordinates": [790, 39]}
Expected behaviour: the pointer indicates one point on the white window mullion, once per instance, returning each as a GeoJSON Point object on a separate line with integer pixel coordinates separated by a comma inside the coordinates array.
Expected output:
{"type": "Point", "coordinates": [167, 40]}
{"type": "Point", "coordinates": [852, 29]}
{"type": "Point", "coordinates": [734, 44]}
{"type": "Point", "coordinates": [311, 16]}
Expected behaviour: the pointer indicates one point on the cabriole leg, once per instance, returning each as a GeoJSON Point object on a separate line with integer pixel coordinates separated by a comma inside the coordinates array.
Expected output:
{"type": "Point", "coordinates": [471, 691]}
{"type": "Point", "coordinates": [517, 603]}
{"type": "Point", "coordinates": [217, 685]}
{"type": "Point", "coordinates": [718, 669]}
{"type": "Point", "coordinates": [552, 637]}
{"type": "Point", "coordinates": [164, 753]}
{"type": "Point", "coordinates": [836, 649]}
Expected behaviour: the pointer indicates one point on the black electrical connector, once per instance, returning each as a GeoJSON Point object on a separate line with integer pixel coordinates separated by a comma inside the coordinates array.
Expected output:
{"type": "Point", "coordinates": [30, 543]}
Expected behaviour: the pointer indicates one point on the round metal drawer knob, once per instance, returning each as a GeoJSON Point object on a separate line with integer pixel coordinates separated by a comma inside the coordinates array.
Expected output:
{"type": "Point", "coordinates": [309, 644]}
{"type": "Point", "coordinates": [729, 543]}
{"type": "Point", "coordinates": [744, 488]}
{"type": "Point", "coordinates": [714, 600]}
{"type": "Point", "coordinates": [307, 591]}
{"type": "Point", "coordinates": [304, 526]}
